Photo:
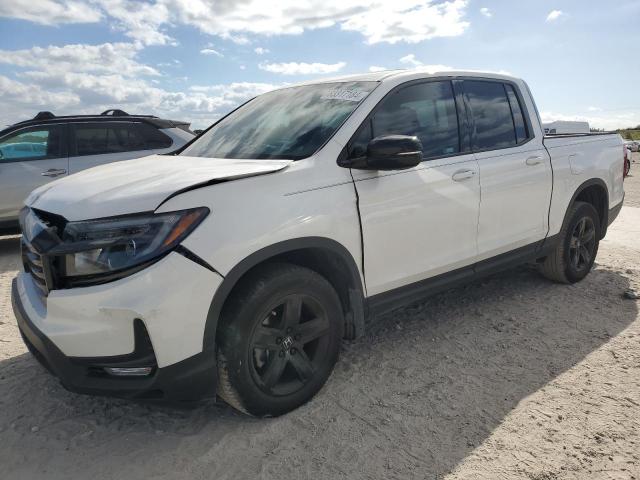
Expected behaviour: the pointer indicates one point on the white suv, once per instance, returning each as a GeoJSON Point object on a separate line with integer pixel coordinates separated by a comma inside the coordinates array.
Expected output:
{"type": "Point", "coordinates": [240, 264]}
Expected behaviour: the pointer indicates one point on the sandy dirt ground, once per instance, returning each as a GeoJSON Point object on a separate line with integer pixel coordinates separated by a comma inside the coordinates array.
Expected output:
{"type": "Point", "coordinates": [510, 377]}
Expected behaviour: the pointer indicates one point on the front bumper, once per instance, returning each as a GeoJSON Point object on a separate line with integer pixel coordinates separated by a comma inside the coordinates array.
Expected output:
{"type": "Point", "coordinates": [133, 322]}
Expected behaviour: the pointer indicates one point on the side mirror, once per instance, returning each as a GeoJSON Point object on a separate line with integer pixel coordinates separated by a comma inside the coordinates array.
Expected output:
{"type": "Point", "coordinates": [393, 152]}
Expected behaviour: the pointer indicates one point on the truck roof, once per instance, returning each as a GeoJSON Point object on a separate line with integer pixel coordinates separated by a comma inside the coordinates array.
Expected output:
{"type": "Point", "coordinates": [386, 75]}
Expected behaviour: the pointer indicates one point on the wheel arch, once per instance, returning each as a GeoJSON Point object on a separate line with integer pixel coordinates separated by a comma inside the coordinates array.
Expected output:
{"type": "Point", "coordinates": [325, 256]}
{"type": "Point", "coordinates": [595, 192]}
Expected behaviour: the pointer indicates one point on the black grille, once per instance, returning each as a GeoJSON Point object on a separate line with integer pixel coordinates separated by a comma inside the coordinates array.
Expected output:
{"type": "Point", "coordinates": [34, 265]}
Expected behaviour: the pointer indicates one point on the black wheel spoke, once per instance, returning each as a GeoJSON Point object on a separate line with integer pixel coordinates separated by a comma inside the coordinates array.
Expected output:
{"type": "Point", "coordinates": [313, 329]}
{"type": "Point", "coordinates": [581, 244]}
{"type": "Point", "coordinates": [581, 226]}
{"type": "Point", "coordinates": [574, 254]}
{"type": "Point", "coordinates": [585, 254]}
{"type": "Point", "coordinates": [274, 371]}
{"type": "Point", "coordinates": [292, 311]}
{"type": "Point", "coordinates": [302, 365]}
{"type": "Point", "coordinates": [266, 338]}
{"type": "Point", "coordinates": [588, 236]}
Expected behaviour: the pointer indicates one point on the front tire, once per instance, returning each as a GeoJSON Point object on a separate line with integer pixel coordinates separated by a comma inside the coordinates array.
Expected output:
{"type": "Point", "coordinates": [278, 340]}
{"type": "Point", "coordinates": [573, 257]}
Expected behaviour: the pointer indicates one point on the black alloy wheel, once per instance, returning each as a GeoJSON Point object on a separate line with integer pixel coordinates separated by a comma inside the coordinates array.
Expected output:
{"type": "Point", "coordinates": [287, 347]}
{"type": "Point", "coordinates": [576, 245]}
{"type": "Point", "coordinates": [278, 339]}
{"type": "Point", "coordinates": [582, 244]}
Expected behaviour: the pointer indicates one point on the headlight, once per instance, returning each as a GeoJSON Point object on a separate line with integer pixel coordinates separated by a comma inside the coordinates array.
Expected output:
{"type": "Point", "coordinates": [102, 248]}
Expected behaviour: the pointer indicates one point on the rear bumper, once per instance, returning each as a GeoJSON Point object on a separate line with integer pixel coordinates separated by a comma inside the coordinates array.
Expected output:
{"type": "Point", "coordinates": [187, 380]}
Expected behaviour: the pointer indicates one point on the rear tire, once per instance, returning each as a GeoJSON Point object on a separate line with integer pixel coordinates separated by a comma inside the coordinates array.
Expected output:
{"type": "Point", "coordinates": [573, 257]}
{"type": "Point", "coordinates": [278, 340]}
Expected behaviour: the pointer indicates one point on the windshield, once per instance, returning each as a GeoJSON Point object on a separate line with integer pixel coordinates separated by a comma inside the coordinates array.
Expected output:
{"type": "Point", "coordinates": [292, 123]}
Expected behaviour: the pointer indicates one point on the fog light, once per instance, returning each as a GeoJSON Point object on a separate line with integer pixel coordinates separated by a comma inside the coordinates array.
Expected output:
{"type": "Point", "coordinates": [129, 371]}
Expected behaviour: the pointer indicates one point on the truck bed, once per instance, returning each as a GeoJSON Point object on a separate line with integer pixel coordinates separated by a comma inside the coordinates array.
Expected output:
{"type": "Point", "coordinates": [579, 158]}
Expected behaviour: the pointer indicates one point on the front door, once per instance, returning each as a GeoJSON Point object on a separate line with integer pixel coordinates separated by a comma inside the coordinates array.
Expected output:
{"type": "Point", "coordinates": [420, 222]}
{"type": "Point", "coordinates": [29, 158]}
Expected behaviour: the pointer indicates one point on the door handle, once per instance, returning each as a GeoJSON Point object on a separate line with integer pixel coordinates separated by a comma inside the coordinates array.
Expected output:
{"type": "Point", "coordinates": [463, 175]}
{"type": "Point", "coordinates": [53, 172]}
{"type": "Point", "coordinates": [535, 160]}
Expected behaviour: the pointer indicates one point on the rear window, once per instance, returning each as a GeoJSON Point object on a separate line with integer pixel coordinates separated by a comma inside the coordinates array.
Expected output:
{"type": "Point", "coordinates": [494, 124]}
{"type": "Point", "coordinates": [152, 137]}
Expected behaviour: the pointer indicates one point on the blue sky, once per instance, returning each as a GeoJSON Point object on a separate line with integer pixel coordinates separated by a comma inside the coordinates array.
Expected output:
{"type": "Point", "coordinates": [196, 59]}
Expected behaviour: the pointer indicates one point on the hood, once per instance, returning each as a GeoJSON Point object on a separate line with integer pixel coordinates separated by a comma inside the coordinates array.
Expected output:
{"type": "Point", "coordinates": [139, 185]}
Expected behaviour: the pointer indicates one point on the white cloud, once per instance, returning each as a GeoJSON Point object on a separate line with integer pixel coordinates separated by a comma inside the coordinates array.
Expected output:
{"type": "Point", "coordinates": [50, 12]}
{"type": "Point", "coordinates": [375, 68]}
{"type": "Point", "coordinates": [117, 58]}
{"type": "Point", "coordinates": [486, 12]}
{"type": "Point", "coordinates": [211, 51]}
{"type": "Point", "coordinates": [413, 62]}
{"type": "Point", "coordinates": [140, 21]}
{"type": "Point", "coordinates": [237, 90]}
{"type": "Point", "coordinates": [33, 97]}
{"type": "Point", "coordinates": [90, 78]}
{"type": "Point", "coordinates": [76, 79]}
{"type": "Point", "coordinates": [594, 109]}
{"type": "Point", "coordinates": [410, 60]}
{"type": "Point", "coordinates": [408, 21]}
{"type": "Point", "coordinates": [554, 15]}
{"type": "Point", "coordinates": [173, 63]}
{"type": "Point", "coordinates": [237, 39]}
{"type": "Point", "coordinates": [301, 68]}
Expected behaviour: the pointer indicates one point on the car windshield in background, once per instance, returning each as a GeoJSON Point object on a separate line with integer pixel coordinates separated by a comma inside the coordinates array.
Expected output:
{"type": "Point", "coordinates": [291, 123]}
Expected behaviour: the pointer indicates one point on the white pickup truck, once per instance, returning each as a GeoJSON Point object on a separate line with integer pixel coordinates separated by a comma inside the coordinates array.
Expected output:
{"type": "Point", "coordinates": [239, 264]}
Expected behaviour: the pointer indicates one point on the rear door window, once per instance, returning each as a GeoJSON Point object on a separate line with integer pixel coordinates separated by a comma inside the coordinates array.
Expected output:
{"type": "Point", "coordinates": [425, 110]}
{"type": "Point", "coordinates": [91, 139]}
{"type": "Point", "coordinates": [491, 112]}
{"type": "Point", "coordinates": [522, 132]}
{"type": "Point", "coordinates": [107, 137]}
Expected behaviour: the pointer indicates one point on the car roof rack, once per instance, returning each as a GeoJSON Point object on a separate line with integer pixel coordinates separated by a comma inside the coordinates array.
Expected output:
{"type": "Point", "coordinates": [44, 116]}
{"type": "Point", "coordinates": [115, 112]}
{"type": "Point", "coordinates": [107, 115]}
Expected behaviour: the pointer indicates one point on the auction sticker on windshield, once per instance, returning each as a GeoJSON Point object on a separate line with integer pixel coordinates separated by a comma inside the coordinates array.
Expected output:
{"type": "Point", "coordinates": [348, 94]}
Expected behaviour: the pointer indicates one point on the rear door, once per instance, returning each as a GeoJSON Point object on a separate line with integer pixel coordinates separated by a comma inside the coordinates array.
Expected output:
{"type": "Point", "coordinates": [98, 143]}
{"type": "Point", "coordinates": [29, 158]}
{"type": "Point", "coordinates": [515, 169]}
{"type": "Point", "coordinates": [420, 222]}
